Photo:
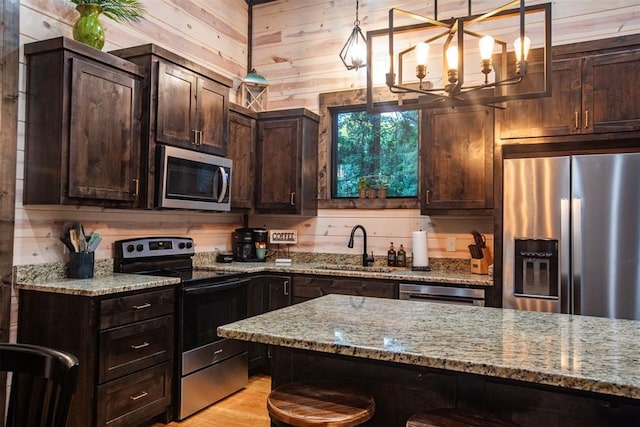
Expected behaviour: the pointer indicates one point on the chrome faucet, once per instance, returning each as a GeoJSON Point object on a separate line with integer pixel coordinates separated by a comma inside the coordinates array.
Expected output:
{"type": "Point", "coordinates": [366, 259]}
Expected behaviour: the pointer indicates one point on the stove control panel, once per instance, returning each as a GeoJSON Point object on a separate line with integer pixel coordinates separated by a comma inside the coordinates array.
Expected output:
{"type": "Point", "coordinates": [153, 247]}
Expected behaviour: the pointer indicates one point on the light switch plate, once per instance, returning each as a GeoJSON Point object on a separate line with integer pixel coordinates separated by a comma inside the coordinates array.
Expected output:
{"type": "Point", "coordinates": [285, 237]}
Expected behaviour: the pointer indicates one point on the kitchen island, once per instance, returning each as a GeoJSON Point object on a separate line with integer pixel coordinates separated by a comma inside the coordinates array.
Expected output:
{"type": "Point", "coordinates": [532, 368]}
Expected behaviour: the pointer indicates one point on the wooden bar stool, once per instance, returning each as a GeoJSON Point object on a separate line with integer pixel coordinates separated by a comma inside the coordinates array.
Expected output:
{"type": "Point", "coordinates": [319, 403]}
{"type": "Point", "coordinates": [452, 417]}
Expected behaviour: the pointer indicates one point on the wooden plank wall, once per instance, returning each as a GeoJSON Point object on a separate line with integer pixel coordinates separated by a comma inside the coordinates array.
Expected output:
{"type": "Point", "coordinates": [296, 46]}
{"type": "Point", "coordinates": [296, 43]}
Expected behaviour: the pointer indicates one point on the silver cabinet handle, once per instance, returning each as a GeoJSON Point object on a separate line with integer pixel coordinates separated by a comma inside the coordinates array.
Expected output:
{"type": "Point", "coordinates": [138, 347]}
{"type": "Point", "coordinates": [136, 186]}
{"type": "Point", "coordinates": [217, 352]}
{"type": "Point", "coordinates": [195, 136]}
{"type": "Point", "coordinates": [286, 287]}
{"type": "Point", "coordinates": [577, 117]}
{"type": "Point", "coordinates": [293, 198]}
{"type": "Point", "coordinates": [140, 307]}
{"type": "Point", "coordinates": [139, 396]}
{"type": "Point", "coordinates": [427, 194]}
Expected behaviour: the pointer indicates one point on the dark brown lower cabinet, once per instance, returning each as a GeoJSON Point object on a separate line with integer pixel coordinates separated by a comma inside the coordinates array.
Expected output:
{"type": "Point", "coordinates": [124, 343]}
{"type": "Point", "coordinates": [266, 293]}
{"type": "Point", "coordinates": [306, 287]}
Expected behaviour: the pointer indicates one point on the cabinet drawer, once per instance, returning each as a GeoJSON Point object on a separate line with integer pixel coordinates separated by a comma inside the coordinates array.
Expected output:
{"type": "Point", "coordinates": [135, 398]}
{"type": "Point", "coordinates": [132, 308]}
{"type": "Point", "coordinates": [134, 347]}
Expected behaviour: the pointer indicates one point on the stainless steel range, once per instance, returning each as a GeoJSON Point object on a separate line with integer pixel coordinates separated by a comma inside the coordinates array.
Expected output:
{"type": "Point", "coordinates": [208, 368]}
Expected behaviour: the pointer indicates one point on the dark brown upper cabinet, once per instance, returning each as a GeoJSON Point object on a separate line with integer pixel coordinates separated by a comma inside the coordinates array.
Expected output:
{"type": "Point", "coordinates": [82, 126]}
{"type": "Point", "coordinates": [192, 110]}
{"type": "Point", "coordinates": [456, 161]}
{"type": "Point", "coordinates": [184, 104]}
{"type": "Point", "coordinates": [287, 162]}
{"type": "Point", "coordinates": [594, 93]}
{"type": "Point", "coordinates": [241, 149]}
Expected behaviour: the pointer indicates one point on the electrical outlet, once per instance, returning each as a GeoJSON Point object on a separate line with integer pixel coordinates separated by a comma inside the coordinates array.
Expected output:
{"type": "Point", "coordinates": [451, 244]}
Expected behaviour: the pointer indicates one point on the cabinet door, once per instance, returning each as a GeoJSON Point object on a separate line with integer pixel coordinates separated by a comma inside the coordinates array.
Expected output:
{"type": "Point", "coordinates": [611, 86]}
{"type": "Point", "coordinates": [242, 141]}
{"type": "Point", "coordinates": [176, 122]}
{"type": "Point", "coordinates": [278, 160]}
{"type": "Point", "coordinates": [104, 134]}
{"type": "Point", "coordinates": [256, 304]}
{"type": "Point", "coordinates": [457, 160]}
{"type": "Point", "coordinates": [212, 111]}
{"type": "Point", "coordinates": [558, 114]}
{"type": "Point", "coordinates": [279, 289]}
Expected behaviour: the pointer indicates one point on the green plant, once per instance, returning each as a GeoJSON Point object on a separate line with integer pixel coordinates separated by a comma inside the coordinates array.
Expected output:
{"type": "Point", "coordinates": [118, 10]}
{"type": "Point", "coordinates": [362, 183]}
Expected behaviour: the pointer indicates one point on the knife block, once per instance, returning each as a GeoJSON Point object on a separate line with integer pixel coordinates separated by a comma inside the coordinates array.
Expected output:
{"type": "Point", "coordinates": [481, 265]}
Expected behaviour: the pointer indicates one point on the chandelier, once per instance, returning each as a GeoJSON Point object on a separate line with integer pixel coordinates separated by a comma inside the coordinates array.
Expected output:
{"type": "Point", "coordinates": [354, 51]}
{"type": "Point", "coordinates": [468, 60]}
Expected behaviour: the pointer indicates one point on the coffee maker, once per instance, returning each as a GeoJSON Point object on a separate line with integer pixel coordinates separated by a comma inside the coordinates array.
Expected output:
{"type": "Point", "coordinates": [250, 244]}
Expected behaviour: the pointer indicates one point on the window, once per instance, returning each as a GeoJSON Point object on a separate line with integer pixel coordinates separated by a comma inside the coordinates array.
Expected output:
{"type": "Point", "coordinates": [375, 150]}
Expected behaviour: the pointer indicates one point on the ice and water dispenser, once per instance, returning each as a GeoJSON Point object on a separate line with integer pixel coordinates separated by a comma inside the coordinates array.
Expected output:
{"type": "Point", "coordinates": [536, 268]}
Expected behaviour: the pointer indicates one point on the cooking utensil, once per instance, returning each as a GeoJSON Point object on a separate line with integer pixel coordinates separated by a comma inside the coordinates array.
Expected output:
{"type": "Point", "coordinates": [73, 237]}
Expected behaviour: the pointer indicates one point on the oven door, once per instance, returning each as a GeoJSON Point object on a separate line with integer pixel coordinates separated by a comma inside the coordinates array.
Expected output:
{"type": "Point", "coordinates": [207, 306]}
{"type": "Point", "coordinates": [193, 180]}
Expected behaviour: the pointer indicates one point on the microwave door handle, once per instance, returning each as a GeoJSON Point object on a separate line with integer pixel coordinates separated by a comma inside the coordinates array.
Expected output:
{"type": "Point", "coordinates": [225, 182]}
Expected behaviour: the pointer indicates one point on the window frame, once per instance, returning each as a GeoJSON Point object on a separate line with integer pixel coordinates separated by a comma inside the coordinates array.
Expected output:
{"type": "Point", "coordinates": [355, 98]}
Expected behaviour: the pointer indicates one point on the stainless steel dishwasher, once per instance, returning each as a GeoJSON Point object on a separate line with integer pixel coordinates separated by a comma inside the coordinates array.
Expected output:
{"type": "Point", "coordinates": [443, 294]}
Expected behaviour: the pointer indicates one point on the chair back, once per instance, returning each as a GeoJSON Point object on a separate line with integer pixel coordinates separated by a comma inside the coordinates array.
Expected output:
{"type": "Point", "coordinates": [43, 380]}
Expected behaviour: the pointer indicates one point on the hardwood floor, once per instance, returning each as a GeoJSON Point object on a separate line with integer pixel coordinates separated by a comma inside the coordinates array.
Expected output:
{"type": "Point", "coordinates": [247, 407]}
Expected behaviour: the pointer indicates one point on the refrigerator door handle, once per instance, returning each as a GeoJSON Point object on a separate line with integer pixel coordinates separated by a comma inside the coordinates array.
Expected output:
{"type": "Point", "coordinates": [576, 261]}
{"type": "Point", "coordinates": [565, 261]}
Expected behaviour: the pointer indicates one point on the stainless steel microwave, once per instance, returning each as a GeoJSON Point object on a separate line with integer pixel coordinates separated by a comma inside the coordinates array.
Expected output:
{"type": "Point", "coordinates": [192, 180]}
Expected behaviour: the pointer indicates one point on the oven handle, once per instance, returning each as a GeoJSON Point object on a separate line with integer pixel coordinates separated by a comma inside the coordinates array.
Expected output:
{"type": "Point", "coordinates": [202, 289]}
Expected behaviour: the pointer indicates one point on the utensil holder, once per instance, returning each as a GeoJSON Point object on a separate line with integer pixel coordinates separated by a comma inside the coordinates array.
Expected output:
{"type": "Point", "coordinates": [81, 265]}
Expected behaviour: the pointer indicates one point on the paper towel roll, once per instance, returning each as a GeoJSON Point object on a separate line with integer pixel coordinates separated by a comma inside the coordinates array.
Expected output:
{"type": "Point", "coordinates": [420, 250]}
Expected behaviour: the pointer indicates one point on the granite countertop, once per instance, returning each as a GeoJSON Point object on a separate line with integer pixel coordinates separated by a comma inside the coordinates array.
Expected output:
{"type": "Point", "coordinates": [577, 352]}
{"type": "Point", "coordinates": [347, 270]}
{"type": "Point", "coordinates": [102, 285]}
{"type": "Point", "coordinates": [51, 277]}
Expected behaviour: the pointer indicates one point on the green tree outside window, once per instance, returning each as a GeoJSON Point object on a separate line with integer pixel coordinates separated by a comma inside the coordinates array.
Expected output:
{"type": "Point", "coordinates": [379, 149]}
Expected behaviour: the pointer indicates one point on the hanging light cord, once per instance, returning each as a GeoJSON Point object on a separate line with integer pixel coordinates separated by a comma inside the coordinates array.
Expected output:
{"type": "Point", "coordinates": [357, 21]}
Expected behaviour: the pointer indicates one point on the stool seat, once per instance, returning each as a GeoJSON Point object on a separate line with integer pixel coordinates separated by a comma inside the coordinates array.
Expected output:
{"type": "Point", "coordinates": [320, 403]}
{"type": "Point", "coordinates": [452, 417]}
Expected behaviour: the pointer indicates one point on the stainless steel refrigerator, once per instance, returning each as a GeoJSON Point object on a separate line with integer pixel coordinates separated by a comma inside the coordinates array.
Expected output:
{"type": "Point", "coordinates": [571, 234]}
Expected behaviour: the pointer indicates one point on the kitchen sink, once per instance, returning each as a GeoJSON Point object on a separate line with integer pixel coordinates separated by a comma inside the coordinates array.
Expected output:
{"type": "Point", "coordinates": [351, 267]}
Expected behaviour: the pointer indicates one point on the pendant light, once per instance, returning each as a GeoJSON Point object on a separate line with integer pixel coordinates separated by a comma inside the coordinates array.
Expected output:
{"type": "Point", "coordinates": [354, 51]}
{"type": "Point", "coordinates": [457, 61]}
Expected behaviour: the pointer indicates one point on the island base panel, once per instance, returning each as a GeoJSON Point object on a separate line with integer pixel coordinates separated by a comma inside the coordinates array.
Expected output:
{"type": "Point", "coordinates": [401, 390]}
